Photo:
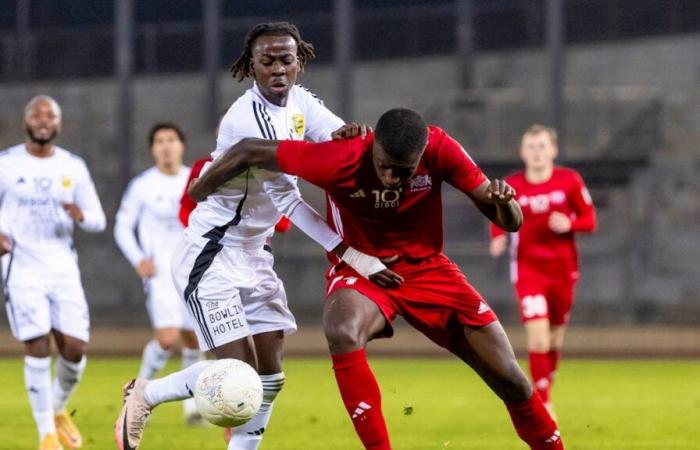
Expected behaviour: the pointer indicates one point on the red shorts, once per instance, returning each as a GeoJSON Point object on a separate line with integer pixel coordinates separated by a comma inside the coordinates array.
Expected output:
{"type": "Point", "coordinates": [545, 291]}
{"type": "Point", "coordinates": [435, 297]}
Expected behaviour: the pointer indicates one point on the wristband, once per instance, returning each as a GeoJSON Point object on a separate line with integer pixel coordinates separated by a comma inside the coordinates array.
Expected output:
{"type": "Point", "coordinates": [363, 264]}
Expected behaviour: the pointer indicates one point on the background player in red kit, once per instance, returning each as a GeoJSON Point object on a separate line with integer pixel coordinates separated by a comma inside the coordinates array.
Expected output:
{"type": "Point", "coordinates": [385, 199]}
{"type": "Point", "coordinates": [544, 268]}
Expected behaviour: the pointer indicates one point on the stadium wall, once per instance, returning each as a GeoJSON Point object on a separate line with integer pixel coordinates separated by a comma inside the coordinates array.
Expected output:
{"type": "Point", "coordinates": [669, 66]}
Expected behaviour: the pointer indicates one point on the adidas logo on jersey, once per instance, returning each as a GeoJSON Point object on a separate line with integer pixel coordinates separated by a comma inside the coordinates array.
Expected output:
{"type": "Point", "coordinates": [556, 437]}
{"type": "Point", "coordinates": [358, 194]}
{"type": "Point", "coordinates": [483, 307]}
{"type": "Point", "coordinates": [361, 409]}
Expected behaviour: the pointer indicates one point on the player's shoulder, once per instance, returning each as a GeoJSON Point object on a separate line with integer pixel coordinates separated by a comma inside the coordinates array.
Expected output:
{"type": "Point", "coordinates": [144, 176]}
{"type": "Point", "coordinates": [304, 94]}
{"type": "Point", "coordinates": [11, 152]}
{"type": "Point", "coordinates": [69, 158]}
{"type": "Point", "coordinates": [517, 177]}
{"type": "Point", "coordinates": [567, 173]}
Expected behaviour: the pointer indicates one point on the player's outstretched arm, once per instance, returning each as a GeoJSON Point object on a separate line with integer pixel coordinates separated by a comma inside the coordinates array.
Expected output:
{"type": "Point", "coordinates": [495, 199]}
{"type": "Point", "coordinates": [244, 154]}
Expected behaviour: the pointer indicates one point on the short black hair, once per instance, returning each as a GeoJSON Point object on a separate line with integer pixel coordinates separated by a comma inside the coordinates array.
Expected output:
{"type": "Point", "coordinates": [243, 68]}
{"type": "Point", "coordinates": [165, 126]}
{"type": "Point", "coordinates": [401, 132]}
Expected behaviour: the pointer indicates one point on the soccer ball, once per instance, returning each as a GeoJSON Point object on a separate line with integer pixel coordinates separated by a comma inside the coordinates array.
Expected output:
{"type": "Point", "coordinates": [228, 393]}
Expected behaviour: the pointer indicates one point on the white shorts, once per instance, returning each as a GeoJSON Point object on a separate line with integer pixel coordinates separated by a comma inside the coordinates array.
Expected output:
{"type": "Point", "coordinates": [34, 310]}
{"type": "Point", "coordinates": [231, 291]}
{"type": "Point", "coordinates": [165, 309]}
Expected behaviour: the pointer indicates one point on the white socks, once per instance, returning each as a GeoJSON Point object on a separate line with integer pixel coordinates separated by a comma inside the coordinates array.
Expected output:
{"type": "Point", "coordinates": [68, 374]}
{"type": "Point", "coordinates": [190, 356]}
{"type": "Point", "coordinates": [249, 436]}
{"type": "Point", "coordinates": [37, 379]}
{"type": "Point", "coordinates": [176, 386]}
{"type": "Point", "coordinates": [153, 359]}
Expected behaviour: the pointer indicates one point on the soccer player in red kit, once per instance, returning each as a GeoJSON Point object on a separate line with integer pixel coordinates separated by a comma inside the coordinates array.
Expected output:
{"type": "Point", "coordinates": [385, 198]}
{"type": "Point", "coordinates": [556, 205]}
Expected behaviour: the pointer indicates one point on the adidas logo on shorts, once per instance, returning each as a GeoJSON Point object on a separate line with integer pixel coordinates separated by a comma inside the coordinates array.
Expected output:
{"type": "Point", "coordinates": [483, 307]}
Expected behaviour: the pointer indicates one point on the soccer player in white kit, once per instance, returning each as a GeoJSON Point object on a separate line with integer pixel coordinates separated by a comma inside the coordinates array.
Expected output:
{"type": "Point", "coordinates": [44, 192]}
{"type": "Point", "coordinates": [224, 265]}
{"type": "Point", "coordinates": [147, 229]}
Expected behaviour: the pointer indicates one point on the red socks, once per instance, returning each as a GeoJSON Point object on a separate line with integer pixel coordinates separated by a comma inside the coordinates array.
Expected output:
{"type": "Point", "coordinates": [553, 362]}
{"type": "Point", "coordinates": [534, 424]}
{"type": "Point", "coordinates": [541, 371]}
{"type": "Point", "coordinates": [362, 399]}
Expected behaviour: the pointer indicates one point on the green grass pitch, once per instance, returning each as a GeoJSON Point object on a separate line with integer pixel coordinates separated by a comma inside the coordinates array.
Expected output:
{"type": "Point", "coordinates": [652, 405]}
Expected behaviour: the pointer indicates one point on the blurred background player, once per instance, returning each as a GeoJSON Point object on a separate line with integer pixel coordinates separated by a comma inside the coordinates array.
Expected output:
{"type": "Point", "coordinates": [544, 268]}
{"type": "Point", "coordinates": [384, 192]}
{"type": "Point", "coordinates": [225, 263]}
{"type": "Point", "coordinates": [45, 191]}
{"type": "Point", "coordinates": [147, 229]}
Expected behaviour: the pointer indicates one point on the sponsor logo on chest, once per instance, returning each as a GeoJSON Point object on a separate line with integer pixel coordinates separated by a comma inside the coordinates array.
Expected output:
{"type": "Point", "coordinates": [542, 203]}
{"type": "Point", "coordinates": [420, 183]}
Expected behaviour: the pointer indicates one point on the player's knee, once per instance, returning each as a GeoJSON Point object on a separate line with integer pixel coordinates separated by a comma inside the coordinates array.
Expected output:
{"type": "Point", "coordinates": [539, 345]}
{"type": "Point", "coordinates": [516, 387]}
{"type": "Point", "coordinates": [343, 337]}
{"type": "Point", "coordinates": [73, 353]}
{"type": "Point", "coordinates": [39, 347]}
{"type": "Point", "coordinates": [167, 341]}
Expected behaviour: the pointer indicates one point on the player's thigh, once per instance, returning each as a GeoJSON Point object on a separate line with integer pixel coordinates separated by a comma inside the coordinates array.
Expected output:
{"type": "Point", "coordinates": [538, 335]}
{"type": "Point", "coordinates": [266, 307]}
{"type": "Point", "coordinates": [70, 315]}
{"type": "Point", "coordinates": [488, 351]}
{"type": "Point", "coordinates": [351, 319]}
{"type": "Point", "coordinates": [269, 348]}
{"type": "Point", "coordinates": [561, 299]}
{"type": "Point", "coordinates": [28, 311]}
{"type": "Point", "coordinates": [438, 298]}
{"type": "Point", "coordinates": [205, 280]}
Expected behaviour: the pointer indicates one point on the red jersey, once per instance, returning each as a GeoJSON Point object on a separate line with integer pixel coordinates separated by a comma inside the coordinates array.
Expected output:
{"type": "Point", "coordinates": [374, 219]}
{"type": "Point", "coordinates": [187, 204]}
{"type": "Point", "coordinates": [535, 242]}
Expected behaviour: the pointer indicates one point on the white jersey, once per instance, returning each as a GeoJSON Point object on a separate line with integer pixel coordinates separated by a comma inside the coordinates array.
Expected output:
{"type": "Point", "coordinates": [147, 223]}
{"type": "Point", "coordinates": [32, 192]}
{"type": "Point", "coordinates": [262, 196]}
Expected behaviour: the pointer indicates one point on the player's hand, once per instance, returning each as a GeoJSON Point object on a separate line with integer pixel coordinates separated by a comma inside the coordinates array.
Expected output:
{"type": "Point", "coordinates": [145, 268]}
{"type": "Point", "coordinates": [350, 130]}
{"type": "Point", "coordinates": [5, 244]}
{"type": "Point", "coordinates": [559, 222]}
{"type": "Point", "coordinates": [500, 192]}
{"type": "Point", "coordinates": [386, 279]}
{"type": "Point", "coordinates": [498, 246]}
{"type": "Point", "coordinates": [74, 212]}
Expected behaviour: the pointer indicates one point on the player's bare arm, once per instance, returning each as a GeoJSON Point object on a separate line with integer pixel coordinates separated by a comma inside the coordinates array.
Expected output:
{"type": "Point", "coordinates": [242, 155]}
{"type": "Point", "coordinates": [255, 152]}
{"type": "Point", "coordinates": [495, 199]}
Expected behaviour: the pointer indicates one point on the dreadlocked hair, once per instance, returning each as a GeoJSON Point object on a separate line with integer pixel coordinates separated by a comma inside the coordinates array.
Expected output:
{"type": "Point", "coordinates": [243, 67]}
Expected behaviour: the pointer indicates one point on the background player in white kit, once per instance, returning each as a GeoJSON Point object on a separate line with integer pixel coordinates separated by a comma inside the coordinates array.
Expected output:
{"type": "Point", "coordinates": [224, 266]}
{"type": "Point", "coordinates": [147, 229]}
{"type": "Point", "coordinates": [44, 191]}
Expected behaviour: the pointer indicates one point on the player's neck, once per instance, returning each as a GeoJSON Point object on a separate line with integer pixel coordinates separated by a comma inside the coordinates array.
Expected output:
{"type": "Point", "coordinates": [539, 175]}
{"type": "Point", "coordinates": [39, 150]}
{"type": "Point", "coordinates": [168, 169]}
